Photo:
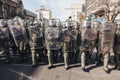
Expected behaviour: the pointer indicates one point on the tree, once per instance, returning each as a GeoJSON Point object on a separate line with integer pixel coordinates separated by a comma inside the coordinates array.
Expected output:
{"type": "Point", "coordinates": [116, 10]}
{"type": "Point", "coordinates": [111, 9]}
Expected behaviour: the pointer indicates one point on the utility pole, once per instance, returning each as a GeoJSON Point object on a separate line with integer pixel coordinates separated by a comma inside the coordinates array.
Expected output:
{"type": "Point", "coordinates": [85, 7]}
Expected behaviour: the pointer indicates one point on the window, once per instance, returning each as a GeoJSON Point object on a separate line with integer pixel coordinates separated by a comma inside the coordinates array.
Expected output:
{"type": "Point", "coordinates": [13, 12]}
{"type": "Point", "coordinates": [1, 11]}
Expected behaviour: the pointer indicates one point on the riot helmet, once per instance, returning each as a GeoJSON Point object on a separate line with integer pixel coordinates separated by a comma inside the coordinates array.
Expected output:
{"type": "Point", "coordinates": [58, 22]}
{"type": "Point", "coordinates": [52, 23]}
{"type": "Point", "coordinates": [18, 20]}
{"type": "Point", "coordinates": [68, 25]}
{"type": "Point", "coordinates": [3, 23]}
{"type": "Point", "coordinates": [86, 24]}
{"type": "Point", "coordinates": [75, 24]}
{"type": "Point", "coordinates": [95, 24]}
{"type": "Point", "coordinates": [37, 23]}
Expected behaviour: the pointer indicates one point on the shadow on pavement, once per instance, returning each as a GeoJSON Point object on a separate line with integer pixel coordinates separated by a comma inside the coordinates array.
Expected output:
{"type": "Point", "coordinates": [17, 71]}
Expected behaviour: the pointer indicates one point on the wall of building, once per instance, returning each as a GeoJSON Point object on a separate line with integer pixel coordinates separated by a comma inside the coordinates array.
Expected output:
{"type": "Point", "coordinates": [28, 14]}
{"type": "Point", "coordinates": [76, 9]}
{"type": "Point", "coordinates": [44, 13]}
{"type": "Point", "coordinates": [10, 8]}
{"type": "Point", "coordinates": [95, 7]}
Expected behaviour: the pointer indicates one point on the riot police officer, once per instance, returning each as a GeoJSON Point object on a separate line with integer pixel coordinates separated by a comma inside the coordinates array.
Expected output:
{"type": "Point", "coordinates": [53, 40]}
{"type": "Point", "coordinates": [107, 32]}
{"type": "Point", "coordinates": [70, 38]}
{"type": "Point", "coordinates": [88, 42]}
{"type": "Point", "coordinates": [96, 27]}
{"type": "Point", "coordinates": [117, 47]}
{"type": "Point", "coordinates": [18, 33]}
{"type": "Point", "coordinates": [5, 39]}
{"type": "Point", "coordinates": [36, 41]}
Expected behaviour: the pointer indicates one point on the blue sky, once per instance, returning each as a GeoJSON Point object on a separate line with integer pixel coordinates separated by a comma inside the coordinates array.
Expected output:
{"type": "Point", "coordinates": [57, 6]}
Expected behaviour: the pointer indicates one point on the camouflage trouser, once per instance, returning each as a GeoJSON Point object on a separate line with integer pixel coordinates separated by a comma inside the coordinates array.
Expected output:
{"type": "Point", "coordinates": [50, 60]}
{"type": "Point", "coordinates": [98, 54]}
{"type": "Point", "coordinates": [70, 56]}
{"type": "Point", "coordinates": [117, 55]}
{"type": "Point", "coordinates": [67, 55]}
{"type": "Point", "coordinates": [34, 57]}
{"type": "Point", "coordinates": [36, 54]}
{"type": "Point", "coordinates": [106, 59]}
{"type": "Point", "coordinates": [66, 58]}
{"type": "Point", "coordinates": [7, 54]}
{"type": "Point", "coordinates": [22, 51]}
{"type": "Point", "coordinates": [98, 58]}
{"type": "Point", "coordinates": [117, 60]}
{"type": "Point", "coordinates": [5, 46]}
{"type": "Point", "coordinates": [85, 57]}
{"type": "Point", "coordinates": [53, 56]}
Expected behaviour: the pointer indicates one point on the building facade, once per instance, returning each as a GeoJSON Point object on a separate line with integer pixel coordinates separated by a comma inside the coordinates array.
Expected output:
{"type": "Point", "coordinates": [44, 13]}
{"type": "Point", "coordinates": [29, 15]}
{"type": "Point", "coordinates": [95, 7]}
{"type": "Point", "coordinates": [103, 9]}
{"type": "Point", "coordinates": [11, 8]}
{"type": "Point", "coordinates": [77, 10]}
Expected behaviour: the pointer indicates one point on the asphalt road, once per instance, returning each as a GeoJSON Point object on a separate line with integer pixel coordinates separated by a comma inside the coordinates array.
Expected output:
{"type": "Point", "coordinates": [24, 71]}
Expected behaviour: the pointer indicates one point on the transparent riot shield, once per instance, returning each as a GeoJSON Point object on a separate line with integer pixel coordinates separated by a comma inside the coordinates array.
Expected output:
{"type": "Point", "coordinates": [88, 36]}
{"type": "Point", "coordinates": [3, 29]}
{"type": "Point", "coordinates": [53, 35]}
{"type": "Point", "coordinates": [107, 33]}
{"type": "Point", "coordinates": [4, 35]}
{"type": "Point", "coordinates": [36, 33]}
{"type": "Point", "coordinates": [70, 32]}
{"type": "Point", "coordinates": [17, 30]}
